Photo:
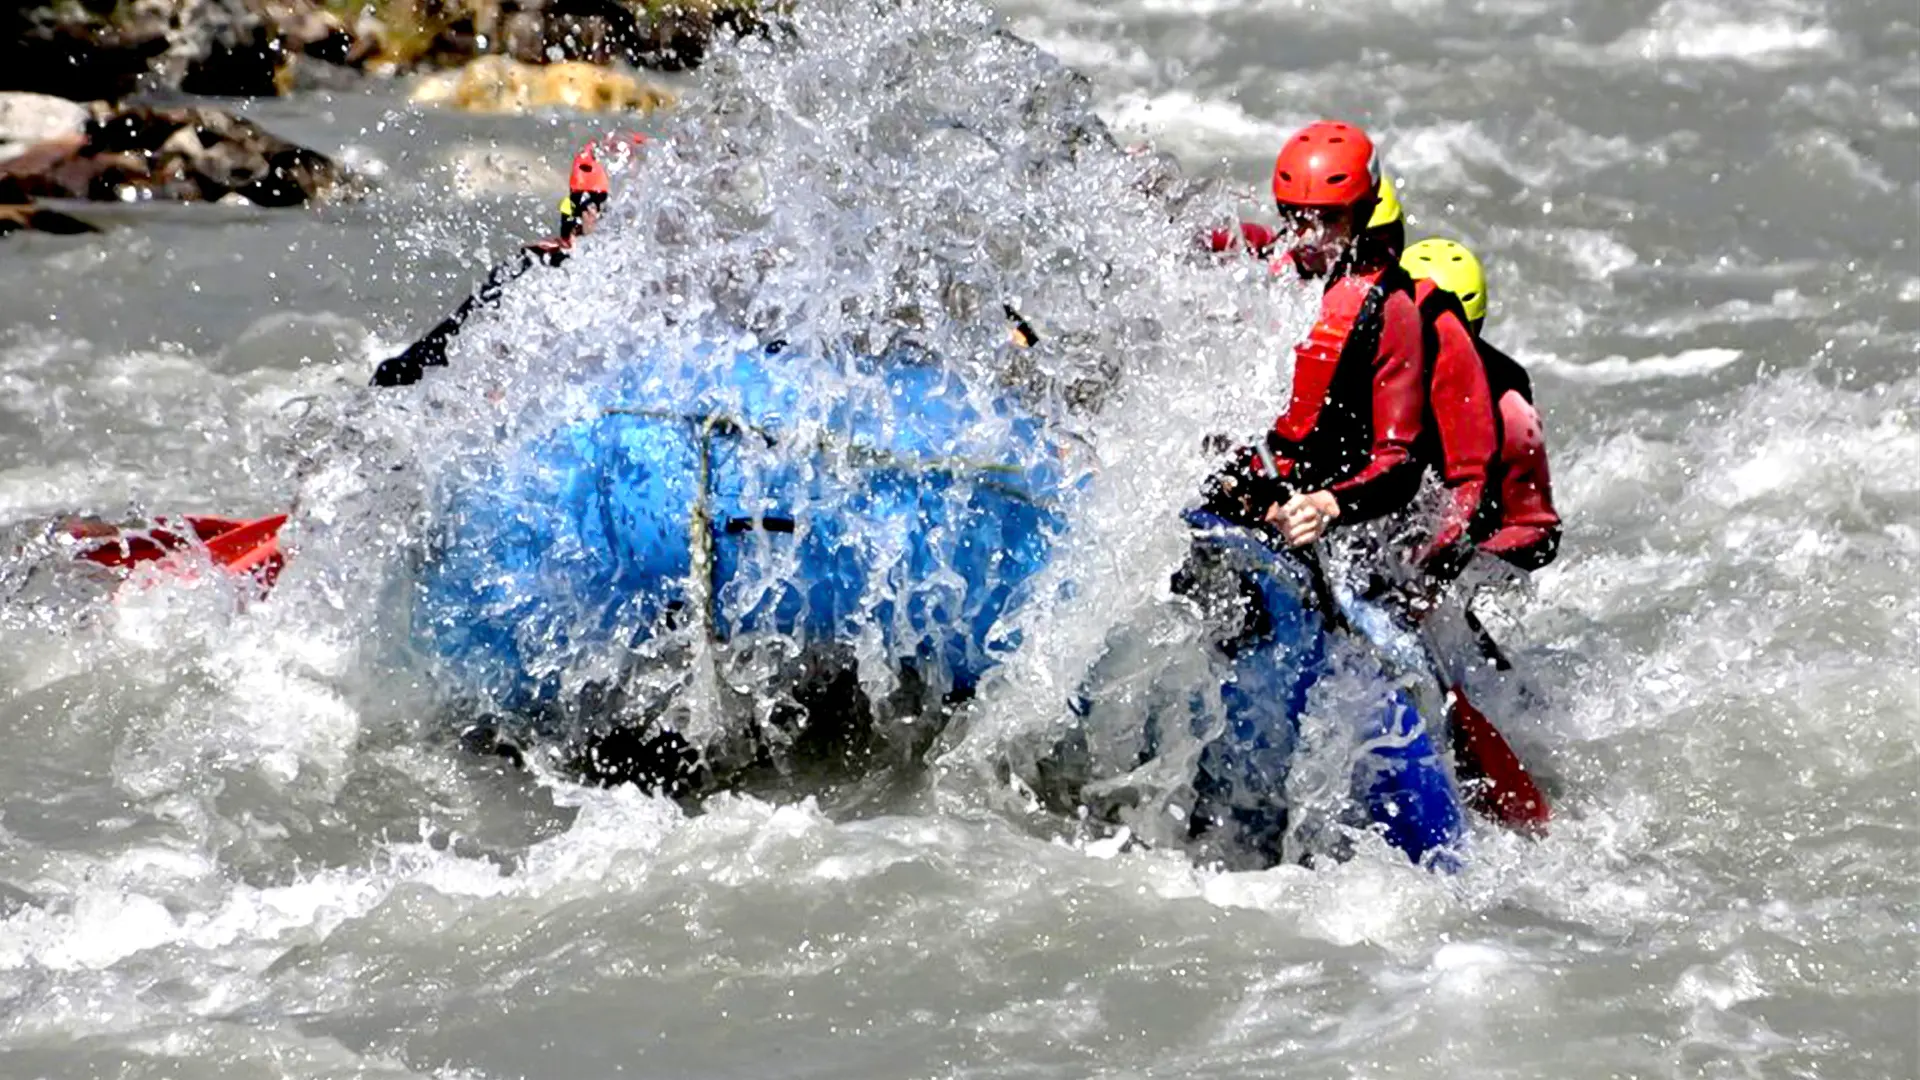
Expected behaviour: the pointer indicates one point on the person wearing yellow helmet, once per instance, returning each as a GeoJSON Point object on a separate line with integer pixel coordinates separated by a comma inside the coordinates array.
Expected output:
{"type": "Point", "coordinates": [1518, 522]}
{"type": "Point", "coordinates": [1452, 269]}
{"type": "Point", "coordinates": [1386, 232]}
{"type": "Point", "coordinates": [1460, 439]}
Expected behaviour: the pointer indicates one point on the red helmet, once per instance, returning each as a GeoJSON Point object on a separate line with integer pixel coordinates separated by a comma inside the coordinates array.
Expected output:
{"type": "Point", "coordinates": [589, 177]}
{"type": "Point", "coordinates": [1326, 164]}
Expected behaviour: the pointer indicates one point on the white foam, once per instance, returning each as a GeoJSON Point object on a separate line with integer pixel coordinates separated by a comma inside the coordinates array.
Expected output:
{"type": "Point", "coordinates": [1457, 154]}
{"type": "Point", "coordinates": [1353, 11]}
{"type": "Point", "coordinates": [477, 171]}
{"type": "Point", "coordinates": [1125, 60]}
{"type": "Point", "coordinates": [1720, 986]}
{"type": "Point", "coordinates": [1186, 121]}
{"type": "Point", "coordinates": [1783, 305]}
{"type": "Point", "coordinates": [1376, 898]}
{"type": "Point", "coordinates": [1760, 32]}
{"type": "Point", "coordinates": [1622, 369]}
{"type": "Point", "coordinates": [1444, 156]}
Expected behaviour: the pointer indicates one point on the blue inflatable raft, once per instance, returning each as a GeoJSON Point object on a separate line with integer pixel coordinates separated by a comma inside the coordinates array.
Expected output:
{"type": "Point", "coordinates": [870, 504]}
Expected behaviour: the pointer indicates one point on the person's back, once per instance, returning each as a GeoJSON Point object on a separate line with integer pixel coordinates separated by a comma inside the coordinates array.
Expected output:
{"type": "Point", "coordinates": [1462, 444]}
{"type": "Point", "coordinates": [1526, 527]}
{"type": "Point", "coordinates": [1516, 521]}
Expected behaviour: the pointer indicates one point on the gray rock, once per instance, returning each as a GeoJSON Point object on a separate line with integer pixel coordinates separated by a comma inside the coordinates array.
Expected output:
{"type": "Point", "coordinates": [26, 119]}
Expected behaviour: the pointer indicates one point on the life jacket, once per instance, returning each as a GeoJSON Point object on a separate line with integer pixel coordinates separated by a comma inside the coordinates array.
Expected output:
{"type": "Point", "coordinates": [1325, 434]}
{"type": "Point", "coordinates": [1518, 490]}
{"type": "Point", "coordinates": [1504, 373]}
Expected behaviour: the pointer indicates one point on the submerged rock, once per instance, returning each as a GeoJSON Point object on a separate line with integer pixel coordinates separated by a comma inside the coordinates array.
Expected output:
{"type": "Point", "coordinates": [26, 217]}
{"type": "Point", "coordinates": [497, 84]}
{"type": "Point", "coordinates": [190, 155]}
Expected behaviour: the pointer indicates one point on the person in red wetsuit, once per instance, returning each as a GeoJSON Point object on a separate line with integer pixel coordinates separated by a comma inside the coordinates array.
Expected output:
{"type": "Point", "coordinates": [1516, 521]}
{"type": "Point", "coordinates": [587, 191]}
{"type": "Point", "coordinates": [1461, 431]}
{"type": "Point", "coordinates": [1347, 441]}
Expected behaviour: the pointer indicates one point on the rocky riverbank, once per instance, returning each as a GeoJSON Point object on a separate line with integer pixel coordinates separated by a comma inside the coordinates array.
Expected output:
{"type": "Point", "coordinates": [108, 49]}
{"type": "Point", "coordinates": [72, 74]}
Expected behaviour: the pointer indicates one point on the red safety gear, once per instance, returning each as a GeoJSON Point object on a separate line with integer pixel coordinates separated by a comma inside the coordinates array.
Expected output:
{"type": "Point", "coordinates": [1463, 441]}
{"type": "Point", "coordinates": [1354, 417]}
{"type": "Point", "coordinates": [1327, 164]}
{"type": "Point", "coordinates": [1525, 528]}
{"type": "Point", "coordinates": [589, 177]}
{"type": "Point", "coordinates": [1252, 237]}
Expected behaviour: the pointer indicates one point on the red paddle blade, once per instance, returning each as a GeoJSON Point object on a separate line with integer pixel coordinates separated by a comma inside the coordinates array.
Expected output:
{"type": "Point", "coordinates": [246, 545]}
{"type": "Point", "coordinates": [122, 548]}
{"type": "Point", "coordinates": [1509, 795]}
{"type": "Point", "coordinates": [238, 546]}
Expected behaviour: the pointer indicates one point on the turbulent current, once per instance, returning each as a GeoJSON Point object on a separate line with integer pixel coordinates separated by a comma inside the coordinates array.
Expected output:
{"type": "Point", "coordinates": [239, 839]}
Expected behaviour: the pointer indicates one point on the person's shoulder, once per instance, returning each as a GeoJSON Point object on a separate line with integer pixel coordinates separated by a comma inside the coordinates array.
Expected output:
{"type": "Point", "coordinates": [1398, 303]}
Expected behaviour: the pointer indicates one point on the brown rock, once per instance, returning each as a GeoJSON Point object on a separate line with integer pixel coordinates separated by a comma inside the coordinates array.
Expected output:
{"type": "Point", "coordinates": [676, 34]}
{"type": "Point", "coordinates": [497, 84]}
{"type": "Point", "coordinates": [75, 54]}
{"type": "Point", "coordinates": [175, 154]}
{"type": "Point", "coordinates": [667, 34]}
{"type": "Point", "coordinates": [107, 49]}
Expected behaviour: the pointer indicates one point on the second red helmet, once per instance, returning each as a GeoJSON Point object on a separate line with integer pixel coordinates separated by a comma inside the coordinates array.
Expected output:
{"type": "Point", "coordinates": [1326, 164]}
{"type": "Point", "coordinates": [588, 176]}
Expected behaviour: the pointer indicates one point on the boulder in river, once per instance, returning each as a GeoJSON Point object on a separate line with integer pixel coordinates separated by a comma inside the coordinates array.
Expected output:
{"type": "Point", "coordinates": [27, 217]}
{"type": "Point", "coordinates": [187, 154]}
{"type": "Point", "coordinates": [497, 84]}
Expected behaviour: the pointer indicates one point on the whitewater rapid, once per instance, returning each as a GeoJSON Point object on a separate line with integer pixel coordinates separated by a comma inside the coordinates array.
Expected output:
{"type": "Point", "coordinates": [236, 840]}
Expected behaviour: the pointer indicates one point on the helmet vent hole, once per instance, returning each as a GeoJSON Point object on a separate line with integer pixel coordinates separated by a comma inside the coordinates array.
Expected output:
{"type": "Point", "coordinates": [1337, 178]}
{"type": "Point", "coordinates": [1287, 176]}
{"type": "Point", "coordinates": [1337, 138]}
{"type": "Point", "coordinates": [1471, 297]}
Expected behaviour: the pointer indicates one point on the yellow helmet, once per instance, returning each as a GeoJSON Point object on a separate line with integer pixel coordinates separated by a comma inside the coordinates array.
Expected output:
{"type": "Point", "coordinates": [1453, 268]}
{"type": "Point", "coordinates": [1386, 209]}
{"type": "Point", "coordinates": [566, 206]}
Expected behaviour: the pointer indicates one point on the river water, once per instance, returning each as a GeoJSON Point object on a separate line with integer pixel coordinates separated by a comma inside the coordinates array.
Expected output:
{"type": "Point", "coordinates": [235, 842]}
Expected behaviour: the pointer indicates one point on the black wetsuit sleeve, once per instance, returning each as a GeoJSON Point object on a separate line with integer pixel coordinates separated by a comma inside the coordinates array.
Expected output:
{"type": "Point", "coordinates": [431, 350]}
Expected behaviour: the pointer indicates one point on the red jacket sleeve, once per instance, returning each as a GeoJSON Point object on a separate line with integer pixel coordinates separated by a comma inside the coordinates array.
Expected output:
{"type": "Point", "coordinates": [1462, 409]}
{"type": "Point", "coordinates": [1529, 532]}
{"type": "Point", "coordinates": [1392, 475]}
{"type": "Point", "coordinates": [1251, 236]}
